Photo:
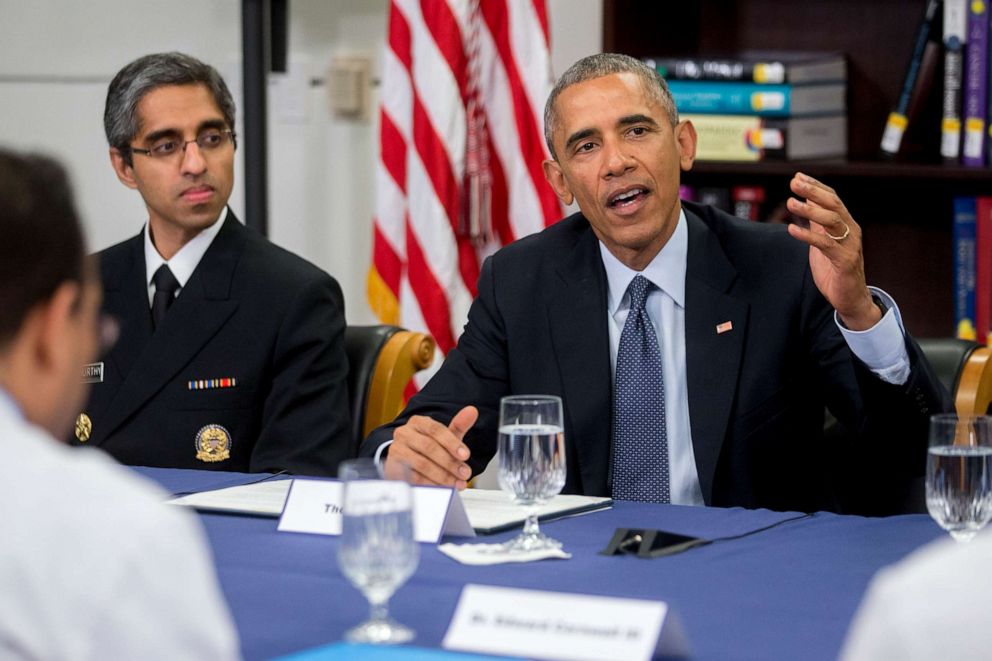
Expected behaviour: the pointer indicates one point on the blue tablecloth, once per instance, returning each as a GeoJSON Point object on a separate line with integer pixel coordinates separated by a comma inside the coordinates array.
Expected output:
{"type": "Point", "coordinates": [786, 593]}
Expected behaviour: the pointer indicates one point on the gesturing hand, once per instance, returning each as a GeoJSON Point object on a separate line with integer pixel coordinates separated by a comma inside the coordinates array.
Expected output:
{"type": "Point", "coordinates": [835, 257]}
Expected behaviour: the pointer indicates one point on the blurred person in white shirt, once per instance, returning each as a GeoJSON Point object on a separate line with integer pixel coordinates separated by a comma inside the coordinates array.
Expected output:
{"type": "Point", "coordinates": [934, 604]}
{"type": "Point", "coordinates": [92, 563]}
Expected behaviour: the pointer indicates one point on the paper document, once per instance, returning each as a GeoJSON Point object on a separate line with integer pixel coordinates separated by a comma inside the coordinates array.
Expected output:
{"type": "Point", "coordinates": [261, 499]}
{"type": "Point", "coordinates": [491, 511]}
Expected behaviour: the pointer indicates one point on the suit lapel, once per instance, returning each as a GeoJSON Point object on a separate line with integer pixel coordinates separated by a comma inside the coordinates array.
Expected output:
{"type": "Point", "coordinates": [577, 315]}
{"type": "Point", "coordinates": [202, 308]}
{"type": "Point", "coordinates": [127, 301]}
{"type": "Point", "coordinates": [713, 358]}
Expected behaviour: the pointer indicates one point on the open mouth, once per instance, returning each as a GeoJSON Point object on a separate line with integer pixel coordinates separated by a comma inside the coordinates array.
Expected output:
{"type": "Point", "coordinates": [627, 198]}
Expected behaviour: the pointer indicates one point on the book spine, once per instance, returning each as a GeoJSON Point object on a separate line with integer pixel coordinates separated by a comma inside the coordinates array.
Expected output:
{"type": "Point", "coordinates": [728, 137]}
{"type": "Point", "coordinates": [988, 106]}
{"type": "Point", "coordinates": [715, 196]}
{"type": "Point", "coordinates": [703, 69]}
{"type": "Point", "coordinates": [983, 268]}
{"type": "Point", "coordinates": [975, 85]}
{"type": "Point", "coordinates": [955, 29]}
{"type": "Point", "coordinates": [731, 98]}
{"type": "Point", "coordinates": [895, 125]}
{"type": "Point", "coordinates": [747, 201]}
{"type": "Point", "coordinates": [964, 267]}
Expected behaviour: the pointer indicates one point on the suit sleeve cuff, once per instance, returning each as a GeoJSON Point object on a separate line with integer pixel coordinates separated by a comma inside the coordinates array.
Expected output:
{"type": "Point", "coordinates": [882, 348]}
{"type": "Point", "coordinates": [381, 450]}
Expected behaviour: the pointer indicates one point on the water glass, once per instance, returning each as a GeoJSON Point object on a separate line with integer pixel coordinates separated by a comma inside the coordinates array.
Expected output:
{"type": "Point", "coordinates": [377, 552]}
{"type": "Point", "coordinates": [531, 460]}
{"type": "Point", "coordinates": [959, 473]}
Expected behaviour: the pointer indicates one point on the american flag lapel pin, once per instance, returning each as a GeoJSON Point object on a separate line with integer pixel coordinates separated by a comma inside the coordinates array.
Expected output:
{"type": "Point", "coordinates": [724, 327]}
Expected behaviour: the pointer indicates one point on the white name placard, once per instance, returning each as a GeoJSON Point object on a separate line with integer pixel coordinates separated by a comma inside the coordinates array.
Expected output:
{"type": "Point", "coordinates": [557, 625]}
{"type": "Point", "coordinates": [314, 506]}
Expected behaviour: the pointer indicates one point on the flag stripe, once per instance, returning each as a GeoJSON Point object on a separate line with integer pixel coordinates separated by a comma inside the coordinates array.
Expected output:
{"type": "Point", "coordinates": [541, 11]}
{"type": "Point", "coordinates": [530, 140]}
{"type": "Point", "coordinates": [433, 302]}
{"type": "Point", "coordinates": [440, 56]}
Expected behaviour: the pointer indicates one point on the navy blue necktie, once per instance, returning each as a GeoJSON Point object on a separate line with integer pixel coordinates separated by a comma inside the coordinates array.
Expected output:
{"type": "Point", "coordinates": [640, 439]}
{"type": "Point", "coordinates": [165, 292]}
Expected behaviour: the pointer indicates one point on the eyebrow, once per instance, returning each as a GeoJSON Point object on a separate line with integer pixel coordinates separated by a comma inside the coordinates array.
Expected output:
{"type": "Point", "coordinates": [578, 136]}
{"type": "Point", "coordinates": [636, 119]}
{"type": "Point", "coordinates": [170, 132]}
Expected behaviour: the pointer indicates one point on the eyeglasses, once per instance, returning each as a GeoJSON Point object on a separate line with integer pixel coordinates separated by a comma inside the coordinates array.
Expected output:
{"type": "Point", "coordinates": [208, 141]}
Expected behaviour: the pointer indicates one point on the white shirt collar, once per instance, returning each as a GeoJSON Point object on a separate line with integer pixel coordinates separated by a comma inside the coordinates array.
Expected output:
{"type": "Point", "coordinates": [9, 406]}
{"type": "Point", "coordinates": [184, 262]}
{"type": "Point", "coordinates": [666, 271]}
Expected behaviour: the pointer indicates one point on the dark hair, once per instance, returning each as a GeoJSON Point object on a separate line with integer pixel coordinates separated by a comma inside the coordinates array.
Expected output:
{"type": "Point", "coordinates": [606, 64]}
{"type": "Point", "coordinates": [129, 86]}
{"type": "Point", "coordinates": [41, 242]}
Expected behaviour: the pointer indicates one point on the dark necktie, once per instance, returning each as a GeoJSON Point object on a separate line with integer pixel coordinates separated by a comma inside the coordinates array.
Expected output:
{"type": "Point", "coordinates": [165, 292]}
{"type": "Point", "coordinates": [640, 439]}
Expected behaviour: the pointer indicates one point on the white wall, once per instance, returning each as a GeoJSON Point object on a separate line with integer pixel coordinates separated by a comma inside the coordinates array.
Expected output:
{"type": "Point", "coordinates": [57, 57]}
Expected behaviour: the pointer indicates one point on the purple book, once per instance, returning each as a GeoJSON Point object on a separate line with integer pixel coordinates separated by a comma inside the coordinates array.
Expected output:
{"type": "Point", "coordinates": [976, 79]}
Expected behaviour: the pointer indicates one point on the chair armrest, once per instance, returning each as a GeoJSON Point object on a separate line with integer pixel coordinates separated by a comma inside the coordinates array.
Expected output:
{"type": "Point", "coordinates": [974, 391]}
{"type": "Point", "coordinates": [403, 355]}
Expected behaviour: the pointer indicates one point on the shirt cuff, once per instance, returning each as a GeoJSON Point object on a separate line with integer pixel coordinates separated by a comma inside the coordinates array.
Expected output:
{"type": "Point", "coordinates": [883, 346]}
{"type": "Point", "coordinates": [381, 449]}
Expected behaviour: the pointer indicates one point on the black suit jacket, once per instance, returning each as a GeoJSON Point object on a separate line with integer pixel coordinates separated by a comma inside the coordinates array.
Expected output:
{"type": "Point", "coordinates": [251, 311]}
{"type": "Point", "coordinates": [756, 393]}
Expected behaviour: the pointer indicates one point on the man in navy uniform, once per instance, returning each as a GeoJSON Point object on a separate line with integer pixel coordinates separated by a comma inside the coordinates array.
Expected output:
{"type": "Point", "coordinates": [694, 352]}
{"type": "Point", "coordinates": [231, 353]}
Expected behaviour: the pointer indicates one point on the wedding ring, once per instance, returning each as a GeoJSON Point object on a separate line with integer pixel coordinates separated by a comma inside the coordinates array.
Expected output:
{"type": "Point", "coordinates": [847, 230]}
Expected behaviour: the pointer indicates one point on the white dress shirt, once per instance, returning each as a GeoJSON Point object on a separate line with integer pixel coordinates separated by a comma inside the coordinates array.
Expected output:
{"type": "Point", "coordinates": [934, 604]}
{"type": "Point", "coordinates": [881, 348]}
{"type": "Point", "coordinates": [93, 563]}
{"type": "Point", "coordinates": [184, 262]}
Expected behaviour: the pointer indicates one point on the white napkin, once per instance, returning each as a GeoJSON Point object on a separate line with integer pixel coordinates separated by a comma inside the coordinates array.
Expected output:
{"type": "Point", "coordinates": [492, 554]}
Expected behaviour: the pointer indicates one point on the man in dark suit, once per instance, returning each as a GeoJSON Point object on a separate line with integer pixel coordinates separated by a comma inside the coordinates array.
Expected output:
{"type": "Point", "coordinates": [720, 370]}
{"type": "Point", "coordinates": [231, 350]}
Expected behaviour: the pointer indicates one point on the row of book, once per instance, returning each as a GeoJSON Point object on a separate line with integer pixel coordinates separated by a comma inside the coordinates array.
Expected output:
{"type": "Point", "coordinates": [747, 202]}
{"type": "Point", "coordinates": [951, 50]}
{"type": "Point", "coordinates": [762, 105]}
{"type": "Point", "coordinates": [973, 267]}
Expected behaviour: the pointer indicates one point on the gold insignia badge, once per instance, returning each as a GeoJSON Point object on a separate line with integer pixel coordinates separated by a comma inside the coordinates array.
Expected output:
{"type": "Point", "coordinates": [84, 427]}
{"type": "Point", "coordinates": [213, 443]}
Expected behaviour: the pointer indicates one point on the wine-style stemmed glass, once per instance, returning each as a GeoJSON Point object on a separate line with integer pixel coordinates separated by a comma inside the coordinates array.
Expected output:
{"type": "Point", "coordinates": [377, 552]}
{"type": "Point", "coordinates": [531, 460]}
{"type": "Point", "coordinates": [959, 473]}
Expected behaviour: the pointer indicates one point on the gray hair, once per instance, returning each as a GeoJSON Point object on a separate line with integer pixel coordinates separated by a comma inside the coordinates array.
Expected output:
{"type": "Point", "coordinates": [134, 81]}
{"type": "Point", "coordinates": [606, 64]}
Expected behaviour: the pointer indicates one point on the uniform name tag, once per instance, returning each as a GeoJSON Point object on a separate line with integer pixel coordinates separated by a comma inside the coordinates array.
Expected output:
{"type": "Point", "coordinates": [93, 373]}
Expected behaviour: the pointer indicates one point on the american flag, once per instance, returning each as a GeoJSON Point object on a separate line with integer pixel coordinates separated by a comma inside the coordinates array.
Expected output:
{"type": "Point", "coordinates": [461, 120]}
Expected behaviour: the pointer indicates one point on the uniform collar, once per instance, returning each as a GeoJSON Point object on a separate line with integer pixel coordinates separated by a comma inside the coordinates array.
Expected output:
{"type": "Point", "coordinates": [184, 262]}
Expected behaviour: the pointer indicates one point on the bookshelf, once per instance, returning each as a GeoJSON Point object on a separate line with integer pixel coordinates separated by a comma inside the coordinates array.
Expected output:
{"type": "Point", "coordinates": [904, 206]}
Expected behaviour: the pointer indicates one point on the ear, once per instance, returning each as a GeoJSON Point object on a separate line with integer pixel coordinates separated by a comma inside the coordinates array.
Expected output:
{"type": "Point", "coordinates": [54, 327]}
{"type": "Point", "coordinates": [555, 177]}
{"type": "Point", "coordinates": [124, 171]}
{"type": "Point", "coordinates": [685, 137]}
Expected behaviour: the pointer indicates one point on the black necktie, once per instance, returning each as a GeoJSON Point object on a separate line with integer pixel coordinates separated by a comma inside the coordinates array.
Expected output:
{"type": "Point", "coordinates": [640, 437]}
{"type": "Point", "coordinates": [165, 291]}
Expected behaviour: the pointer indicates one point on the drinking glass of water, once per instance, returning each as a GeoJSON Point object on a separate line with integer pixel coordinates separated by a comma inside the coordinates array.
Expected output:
{"type": "Point", "coordinates": [959, 473]}
{"type": "Point", "coordinates": [377, 552]}
{"type": "Point", "coordinates": [531, 460]}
